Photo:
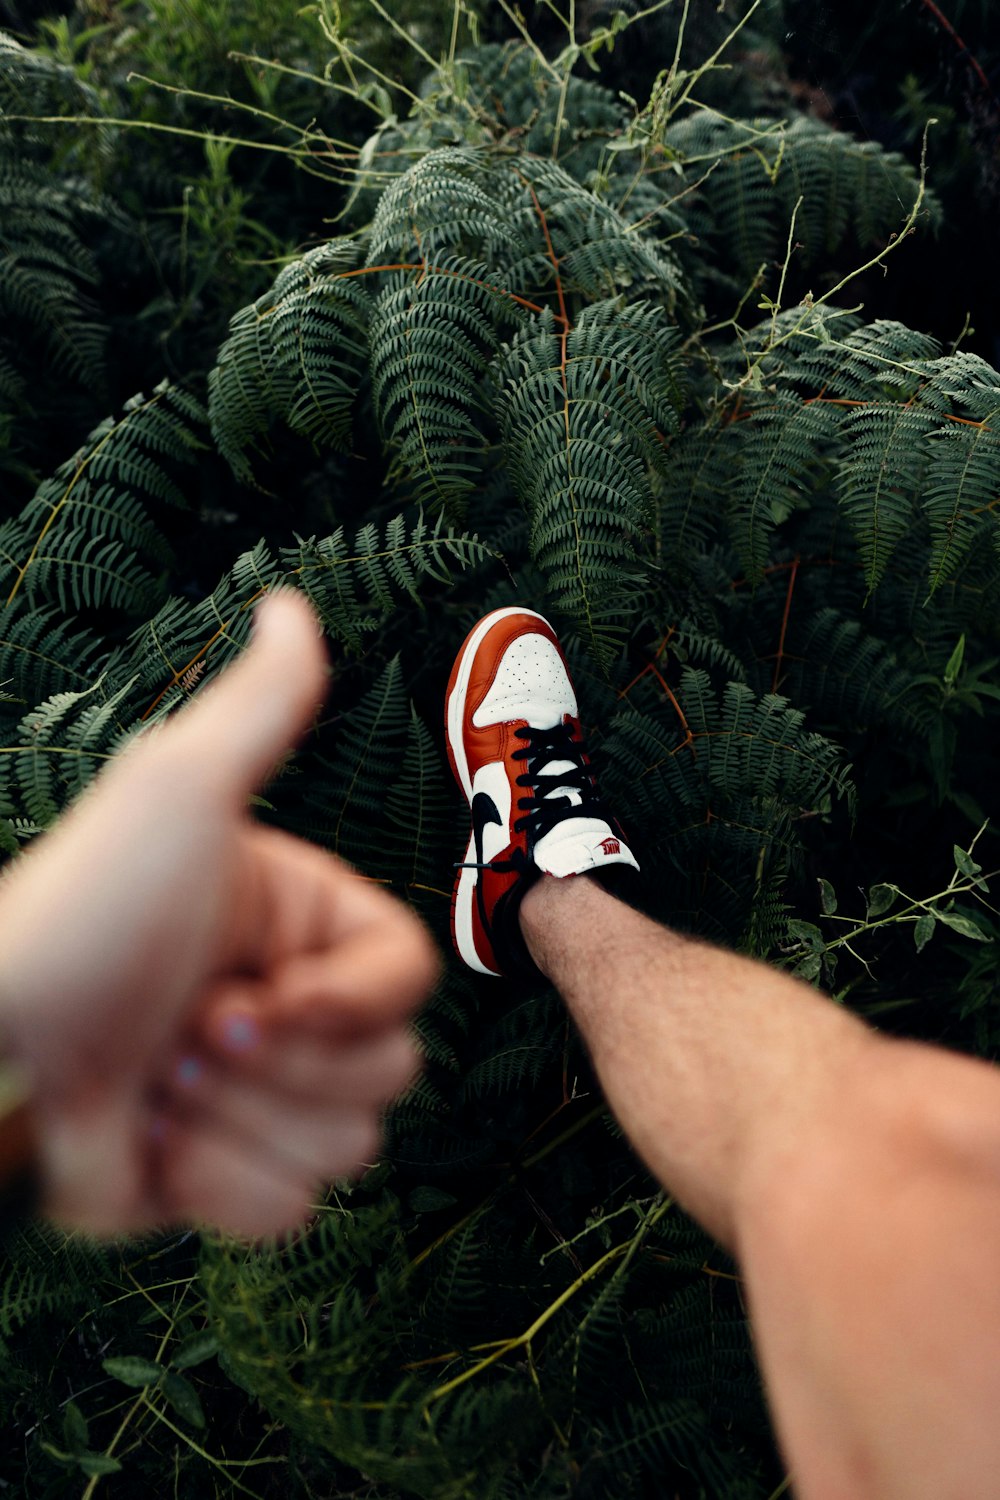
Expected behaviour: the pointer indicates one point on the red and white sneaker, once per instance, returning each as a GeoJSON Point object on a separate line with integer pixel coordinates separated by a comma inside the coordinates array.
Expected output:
{"type": "Point", "coordinates": [515, 747]}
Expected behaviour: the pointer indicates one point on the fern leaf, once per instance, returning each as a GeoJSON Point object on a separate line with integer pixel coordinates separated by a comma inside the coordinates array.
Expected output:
{"type": "Point", "coordinates": [354, 588]}
{"type": "Point", "coordinates": [63, 743]}
{"type": "Point", "coordinates": [594, 248]}
{"type": "Point", "coordinates": [431, 339]}
{"type": "Point", "coordinates": [41, 654]}
{"type": "Point", "coordinates": [881, 474]}
{"type": "Point", "coordinates": [295, 355]}
{"type": "Point", "coordinates": [86, 539]}
{"type": "Point", "coordinates": [962, 484]}
{"type": "Point", "coordinates": [883, 360]}
{"type": "Point", "coordinates": [346, 801]}
{"type": "Point", "coordinates": [581, 416]}
{"type": "Point", "coordinates": [774, 452]}
{"type": "Point", "coordinates": [182, 636]}
{"type": "Point", "coordinates": [46, 267]}
{"type": "Point", "coordinates": [713, 797]}
{"type": "Point", "coordinates": [842, 674]}
{"type": "Point", "coordinates": [747, 176]}
{"type": "Point", "coordinates": [417, 811]}
{"type": "Point", "coordinates": [441, 207]}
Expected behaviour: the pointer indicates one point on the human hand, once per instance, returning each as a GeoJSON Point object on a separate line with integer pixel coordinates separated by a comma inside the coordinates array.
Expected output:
{"type": "Point", "coordinates": [157, 928]}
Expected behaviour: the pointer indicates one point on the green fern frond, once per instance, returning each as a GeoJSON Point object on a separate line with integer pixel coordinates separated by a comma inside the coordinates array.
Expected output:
{"type": "Point", "coordinates": [442, 206]}
{"type": "Point", "coordinates": [86, 539]}
{"type": "Point", "coordinates": [517, 1050]}
{"type": "Point", "coordinates": [296, 355]}
{"type": "Point", "coordinates": [847, 187]}
{"type": "Point", "coordinates": [61, 745]}
{"type": "Point", "coordinates": [962, 481]}
{"type": "Point", "coordinates": [445, 1021]}
{"type": "Point", "coordinates": [841, 674]}
{"type": "Point", "coordinates": [505, 85]}
{"type": "Point", "coordinates": [354, 588]}
{"type": "Point", "coordinates": [185, 637]}
{"type": "Point", "coordinates": [582, 415]}
{"type": "Point", "coordinates": [689, 491]}
{"type": "Point", "coordinates": [902, 431]}
{"type": "Point", "coordinates": [883, 360]}
{"type": "Point", "coordinates": [458, 1297]}
{"type": "Point", "coordinates": [42, 654]}
{"type": "Point", "coordinates": [773, 455]}
{"type": "Point", "coordinates": [36, 83]}
{"type": "Point", "coordinates": [749, 175]}
{"type": "Point", "coordinates": [717, 795]}
{"type": "Point", "coordinates": [431, 339]}
{"type": "Point", "coordinates": [346, 799]}
{"type": "Point", "coordinates": [417, 810]}
{"type": "Point", "coordinates": [597, 253]}
{"type": "Point", "coordinates": [47, 269]}
{"type": "Point", "coordinates": [880, 476]}
{"type": "Point", "coordinates": [11, 383]}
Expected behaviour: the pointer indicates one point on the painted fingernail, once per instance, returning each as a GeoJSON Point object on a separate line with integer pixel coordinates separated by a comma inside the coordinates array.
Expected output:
{"type": "Point", "coordinates": [189, 1070]}
{"type": "Point", "coordinates": [240, 1033]}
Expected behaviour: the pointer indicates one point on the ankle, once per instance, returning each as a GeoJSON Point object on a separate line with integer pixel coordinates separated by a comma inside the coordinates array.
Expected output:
{"type": "Point", "coordinates": [556, 899]}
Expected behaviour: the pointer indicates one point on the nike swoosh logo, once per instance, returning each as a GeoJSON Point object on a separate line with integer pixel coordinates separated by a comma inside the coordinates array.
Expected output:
{"type": "Point", "coordinates": [484, 811]}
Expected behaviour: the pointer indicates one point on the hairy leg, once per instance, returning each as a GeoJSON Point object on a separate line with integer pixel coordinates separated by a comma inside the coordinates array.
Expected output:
{"type": "Point", "coordinates": [857, 1179]}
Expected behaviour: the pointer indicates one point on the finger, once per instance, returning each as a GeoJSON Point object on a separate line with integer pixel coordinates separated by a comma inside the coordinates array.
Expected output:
{"type": "Point", "coordinates": [94, 1167]}
{"type": "Point", "coordinates": [366, 983]}
{"type": "Point", "coordinates": [241, 725]}
{"type": "Point", "coordinates": [315, 1140]}
{"type": "Point", "coordinates": [208, 1178]}
{"type": "Point", "coordinates": [370, 1072]}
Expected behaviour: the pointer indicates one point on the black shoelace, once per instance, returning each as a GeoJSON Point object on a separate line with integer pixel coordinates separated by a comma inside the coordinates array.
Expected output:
{"type": "Point", "coordinates": [542, 812]}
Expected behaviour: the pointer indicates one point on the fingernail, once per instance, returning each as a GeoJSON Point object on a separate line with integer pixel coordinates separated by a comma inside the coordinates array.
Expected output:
{"type": "Point", "coordinates": [241, 1033]}
{"type": "Point", "coordinates": [189, 1070]}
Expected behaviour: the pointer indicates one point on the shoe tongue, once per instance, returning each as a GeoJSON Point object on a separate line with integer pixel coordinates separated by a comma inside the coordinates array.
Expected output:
{"type": "Point", "coordinates": [577, 845]}
{"type": "Point", "coordinates": [551, 771]}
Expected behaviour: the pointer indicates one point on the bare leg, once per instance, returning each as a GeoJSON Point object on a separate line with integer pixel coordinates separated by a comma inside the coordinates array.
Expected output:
{"type": "Point", "coordinates": [857, 1179]}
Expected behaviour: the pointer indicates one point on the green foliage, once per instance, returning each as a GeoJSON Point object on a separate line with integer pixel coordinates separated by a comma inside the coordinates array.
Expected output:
{"type": "Point", "coordinates": [749, 178]}
{"type": "Point", "coordinates": [291, 356]}
{"type": "Point", "coordinates": [583, 414]}
{"type": "Point", "coordinates": [470, 328]}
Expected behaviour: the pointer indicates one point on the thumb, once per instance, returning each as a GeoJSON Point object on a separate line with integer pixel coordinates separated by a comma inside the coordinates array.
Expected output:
{"type": "Point", "coordinates": [253, 713]}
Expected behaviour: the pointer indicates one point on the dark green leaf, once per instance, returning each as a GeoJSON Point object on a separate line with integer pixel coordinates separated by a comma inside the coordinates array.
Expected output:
{"type": "Point", "coordinates": [880, 898]}
{"type": "Point", "coordinates": [965, 862]}
{"type": "Point", "coordinates": [94, 1464]}
{"type": "Point", "coordinates": [65, 1460]}
{"type": "Point", "coordinates": [376, 1176]}
{"type": "Point", "coordinates": [75, 1431]}
{"type": "Point", "coordinates": [923, 930]}
{"type": "Point", "coordinates": [827, 898]}
{"type": "Point", "coordinates": [195, 1351]}
{"type": "Point", "coordinates": [809, 967]}
{"type": "Point", "coordinates": [183, 1398]}
{"type": "Point", "coordinates": [131, 1370]}
{"type": "Point", "coordinates": [954, 666]}
{"type": "Point", "coordinates": [964, 925]}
